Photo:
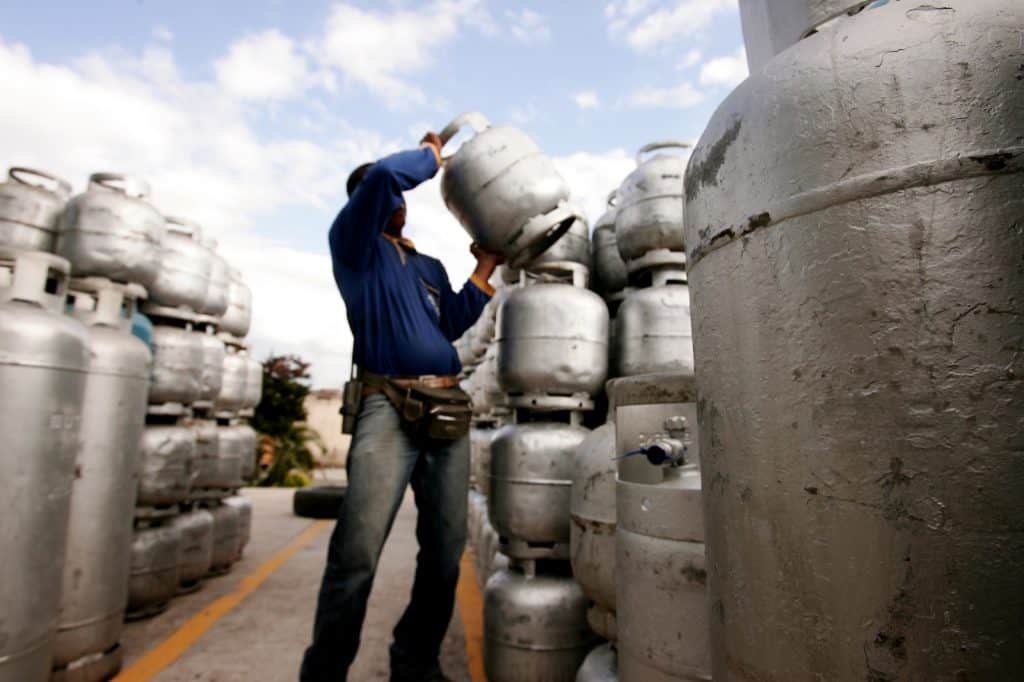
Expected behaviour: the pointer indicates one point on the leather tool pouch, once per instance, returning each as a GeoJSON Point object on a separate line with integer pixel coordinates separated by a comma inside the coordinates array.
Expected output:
{"type": "Point", "coordinates": [438, 413]}
{"type": "Point", "coordinates": [351, 403]}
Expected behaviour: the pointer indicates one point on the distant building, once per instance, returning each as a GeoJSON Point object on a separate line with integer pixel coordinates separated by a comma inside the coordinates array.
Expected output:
{"type": "Point", "coordinates": [323, 416]}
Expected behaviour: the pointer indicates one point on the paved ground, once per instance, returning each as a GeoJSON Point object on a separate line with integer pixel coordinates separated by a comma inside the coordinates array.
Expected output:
{"type": "Point", "coordinates": [262, 638]}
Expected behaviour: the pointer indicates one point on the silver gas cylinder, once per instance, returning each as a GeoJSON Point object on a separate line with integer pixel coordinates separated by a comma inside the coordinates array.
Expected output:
{"type": "Point", "coordinates": [98, 557]}
{"type": "Point", "coordinates": [487, 396]}
{"type": "Point", "coordinates": [535, 625]}
{"type": "Point", "coordinates": [227, 536]}
{"type": "Point", "coordinates": [571, 247]}
{"type": "Point", "coordinates": [600, 665]}
{"type": "Point", "coordinates": [771, 26]}
{"type": "Point", "coordinates": [236, 372]}
{"type": "Point", "coordinates": [178, 359]}
{"type": "Point", "coordinates": [856, 284]}
{"type": "Point", "coordinates": [31, 203]}
{"type": "Point", "coordinates": [253, 382]}
{"type": "Point", "coordinates": [44, 358]}
{"type": "Point", "coordinates": [531, 483]}
{"type": "Point", "coordinates": [238, 316]}
{"type": "Point", "coordinates": [165, 463]}
{"type": "Point", "coordinates": [610, 273]}
{"type": "Point", "coordinates": [206, 467]}
{"type": "Point", "coordinates": [211, 375]}
{"type": "Point", "coordinates": [592, 538]}
{"type": "Point", "coordinates": [504, 191]}
{"type": "Point", "coordinates": [247, 449]}
{"type": "Point", "coordinates": [153, 579]}
{"type": "Point", "coordinates": [652, 327]}
{"type": "Point", "coordinates": [552, 339]}
{"type": "Point", "coordinates": [196, 555]}
{"type": "Point", "coordinates": [649, 222]}
{"type": "Point", "coordinates": [661, 592]}
{"type": "Point", "coordinates": [215, 302]}
{"type": "Point", "coordinates": [233, 442]}
{"type": "Point", "coordinates": [244, 508]}
{"type": "Point", "coordinates": [183, 278]}
{"type": "Point", "coordinates": [112, 231]}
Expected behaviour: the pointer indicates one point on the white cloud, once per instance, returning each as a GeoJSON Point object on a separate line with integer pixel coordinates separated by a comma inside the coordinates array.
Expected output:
{"type": "Point", "coordinates": [586, 100]}
{"type": "Point", "coordinates": [682, 96]}
{"type": "Point", "coordinates": [646, 25]}
{"type": "Point", "coordinates": [591, 176]}
{"type": "Point", "coordinates": [528, 27]}
{"type": "Point", "coordinates": [263, 66]}
{"type": "Point", "coordinates": [725, 71]}
{"type": "Point", "coordinates": [382, 50]}
{"type": "Point", "coordinates": [692, 58]}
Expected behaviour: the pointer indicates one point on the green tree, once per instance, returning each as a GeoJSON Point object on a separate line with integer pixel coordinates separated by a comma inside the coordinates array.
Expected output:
{"type": "Point", "coordinates": [279, 416]}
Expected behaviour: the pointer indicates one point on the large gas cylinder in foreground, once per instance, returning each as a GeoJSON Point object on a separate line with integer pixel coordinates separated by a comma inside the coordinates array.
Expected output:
{"type": "Point", "coordinates": [44, 358]}
{"type": "Point", "coordinates": [858, 317]}
{"type": "Point", "coordinates": [592, 538]}
{"type": "Point", "coordinates": [652, 327]}
{"type": "Point", "coordinates": [650, 203]}
{"type": "Point", "coordinates": [100, 528]}
{"type": "Point", "coordinates": [31, 203]}
{"type": "Point", "coordinates": [535, 626]}
{"type": "Point", "coordinates": [552, 338]}
{"type": "Point", "coordinates": [504, 191]}
{"type": "Point", "coordinates": [771, 26]}
{"type": "Point", "coordinates": [531, 484]}
{"type": "Point", "coordinates": [661, 591]}
{"type": "Point", "coordinates": [112, 231]}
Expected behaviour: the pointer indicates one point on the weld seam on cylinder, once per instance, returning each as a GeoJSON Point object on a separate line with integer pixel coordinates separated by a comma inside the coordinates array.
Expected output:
{"type": "Point", "coordinates": [533, 647]}
{"type": "Point", "coordinates": [867, 186]}
{"type": "Point", "coordinates": [34, 645]}
{"type": "Point", "coordinates": [534, 481]}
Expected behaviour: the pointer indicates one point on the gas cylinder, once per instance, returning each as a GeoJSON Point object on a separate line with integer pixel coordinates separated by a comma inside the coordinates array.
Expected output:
{"type": "Point", "coordinates": [238, 316]}
{"type": "Point", "coordinates": [650, 207]}
{"type": "Point", "coordinates": [552, 339]}
{"type": "Point", "coordinates": [535, 625]}
{"type": "Point", "coordinates": [44, 358]}
{"type": "Point", "coordinates": [571, 247]}
{"type": "Point", "coordinates": [112, 231]}
{"type": "Point", "coordinates": [227, 536]}
{"type": "Point", "coordinates": [253, 382]}
{"type": "Point", "coordinates": [661, 600]}
{"type": "Point", "coordinates": [504, 191]}
{"type": "Point", "coordinates": [31, 203]}
{"type": "Point", "coordinates": [183, 278]}
{"type": "Point", "coordinates": [196, 530]}
{"type": "Point", "coordinates": [233, 395]}
{"type": "Point", "coordinates": [531, 483]}
{"type": "Point", "coordinates": [165, 463]}
{"type": "Point", "coordinates": [215, 302]}
{"type": "Point", "coordinates": [652, 327]}
{"type": "Point", "coordinates": [609, 269]}
{"type": "Point", "coordinates": [592, 538]}
{"type": "Point", "coordinates": [98, 556]}
{"type": "Point", "coordinates": [853, 227]}
{"type": "Point", "coordinates": [178, 357]}
{"type": "Point", "coordinates": [244, 508]}
{"type": "Point", "coordinates": [153, 580]}
{"type": "Point", "coordinates": [211, 375]}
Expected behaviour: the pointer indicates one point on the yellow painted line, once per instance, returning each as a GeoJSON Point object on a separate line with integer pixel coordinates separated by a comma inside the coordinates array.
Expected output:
{"type": "Point", "coordinates": [169, 650]}
{"type": "Point", "coordinates": [471, 610]}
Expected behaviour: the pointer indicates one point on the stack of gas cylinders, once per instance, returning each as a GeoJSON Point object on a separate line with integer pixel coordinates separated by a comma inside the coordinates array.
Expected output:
{"type": "Point", "coordinates": [98, 412]}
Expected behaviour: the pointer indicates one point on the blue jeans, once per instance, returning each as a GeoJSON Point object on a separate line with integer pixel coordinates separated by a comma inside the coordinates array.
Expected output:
{"type": "Point", "coordinates": [382, 460]}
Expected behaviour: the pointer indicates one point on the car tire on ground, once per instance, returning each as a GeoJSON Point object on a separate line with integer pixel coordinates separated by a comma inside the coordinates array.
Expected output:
{"type": "Point", "coordinates": [318, 502]}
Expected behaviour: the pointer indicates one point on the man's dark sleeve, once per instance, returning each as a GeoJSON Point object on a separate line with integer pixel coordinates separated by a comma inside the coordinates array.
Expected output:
{"type": "Point", "coordinates": [460, 310]}
{"type": "Point", "coordinates": [370, 207]}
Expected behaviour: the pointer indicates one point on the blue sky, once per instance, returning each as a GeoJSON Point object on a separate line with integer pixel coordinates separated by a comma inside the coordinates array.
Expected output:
{"type": "Point", "coordinates": [248, 116]}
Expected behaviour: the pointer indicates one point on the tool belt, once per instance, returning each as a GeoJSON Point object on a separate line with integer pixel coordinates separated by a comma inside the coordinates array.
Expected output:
{"type": "Point", "coordinates": [430, 406]}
